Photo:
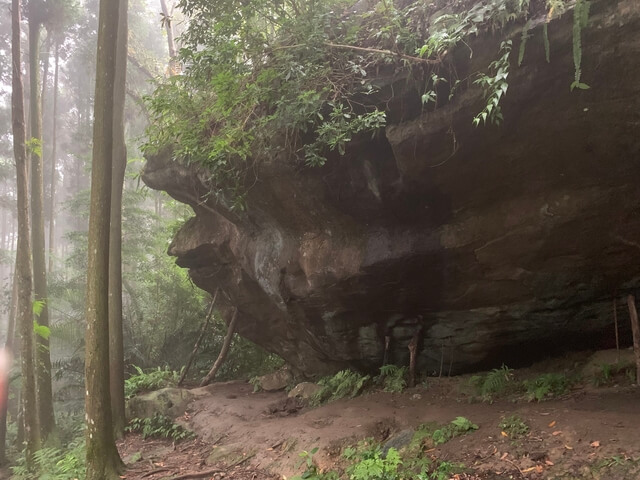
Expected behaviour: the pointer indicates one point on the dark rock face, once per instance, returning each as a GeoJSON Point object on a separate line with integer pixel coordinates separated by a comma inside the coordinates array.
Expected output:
{"type": "Point", "coordinates": [497, 244]}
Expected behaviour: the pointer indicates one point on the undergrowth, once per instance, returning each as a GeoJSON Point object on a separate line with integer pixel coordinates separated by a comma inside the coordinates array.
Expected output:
{"type": "Point", "coordinates": [150, 380]}
{"type": "Point", "coordinates": [345, 383]}
{"type": "Point", "coordinates": [546, 386]}
{"type": "Point", "coordinates": [514, 426]}
{"type": "Point", "coordinates": [392, 378]}
{"type": "Point", "coordinates": [54, 463]}
{"type": "Point", "coordinates": [497, 382]}
{"type": "Point", "coordinates": [159, 426]}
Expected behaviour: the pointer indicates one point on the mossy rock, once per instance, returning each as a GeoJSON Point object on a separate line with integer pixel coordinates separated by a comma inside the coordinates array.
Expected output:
{"type": "Point", "coordinates": [171, 402]}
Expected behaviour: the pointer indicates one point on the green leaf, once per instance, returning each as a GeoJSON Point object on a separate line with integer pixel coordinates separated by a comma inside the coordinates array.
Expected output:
{"type": "Point", "coordinates": [41, 330]}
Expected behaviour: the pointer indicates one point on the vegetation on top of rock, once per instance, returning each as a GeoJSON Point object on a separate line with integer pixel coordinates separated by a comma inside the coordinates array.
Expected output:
{"type": "Point", "coordinates": [152, 379]}
{"type": "Point", "coordinates": [301, 79]}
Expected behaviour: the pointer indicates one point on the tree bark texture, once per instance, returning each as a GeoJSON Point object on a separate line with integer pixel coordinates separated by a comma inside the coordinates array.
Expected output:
{"type": "Point", "coordinates": [23, 253]}
{"type": "Point", "coordinates": [223, 353]}
{"type": "Point", "coordinates": [116, 342]}
{"type": "Point", "coordinates": [103, 461]}
{"type": "Point", "coordinates": [44, 395]}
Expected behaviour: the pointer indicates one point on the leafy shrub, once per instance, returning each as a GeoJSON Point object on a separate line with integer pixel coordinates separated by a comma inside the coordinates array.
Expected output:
{"type": "Point", "coordinates": [345, 383]}
{"type": "Point", "coordinates": [393, 378]}
{"type": "Point", "coordinates": [547, 385]}
{"type": "Point", "coordinates": [159, 426]}
{"type": "Point", "coordinates": [150, 380]}
{"type": "Point", "coordinates": [514, 426]}
{"type": "Point", "coordinates": [496, 382]}
{"type": "Point", "coordinates": [377, 466]}
{"type": "Point", "coordinates": [457, 427]}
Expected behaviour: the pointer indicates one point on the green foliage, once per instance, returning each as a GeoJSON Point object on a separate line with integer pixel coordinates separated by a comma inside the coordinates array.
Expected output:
{"type": "Point", "coordinates": [514, 426]}
{"type": "Point", "coordinates": [457, 427]}
{"type": "Point", "coordinates": [296, 79]}
{"type": "Point", "coordinates": [546, 385]}
{"type": "Point", "coordinates": [580, 20]}
{"type": "Point", "coordinates": [159, 426]}
{"type": "Point", "coordinates": [311, 471]}
{"type": "Point", "coordinates": [34, 145]}
{"type": "Point", "coordinates": [497, 382]}
{"type": "Point", "coordinates": [345, 383]}
{"type": "Point", "coordinates": [54, 463]}
{"type": "Point", "coordinates": [494, 87]}
{"type": "Point", "coordinates": [377, 466]}
{"type": "Point", "coordinates": [393, 378]}
{"type": "Point", "coordinates": [152, 379]}
{"type": "Point", "coordinates": [608, 374]}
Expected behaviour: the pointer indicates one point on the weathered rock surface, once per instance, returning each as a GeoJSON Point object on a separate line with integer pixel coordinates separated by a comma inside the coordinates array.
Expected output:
{"type": "Point", "coordinates": [171, 402]}
{"type": "Point", "coordinates": [275, 381]}
{"type": "Point", "coordinates": [500, 243]}
{"type": "Point", "coordinates": [304, 390]}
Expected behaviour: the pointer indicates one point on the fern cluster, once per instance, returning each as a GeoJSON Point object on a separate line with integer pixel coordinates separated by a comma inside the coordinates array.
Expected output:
{"type": "Point", "coordinates": [497, 382]}
{"type": "Point", "coordinates": [345, 383]}
{"type": "Point", "coordinates": [54, 464]}
{"type": "Point", "coordinates": [393, 378]}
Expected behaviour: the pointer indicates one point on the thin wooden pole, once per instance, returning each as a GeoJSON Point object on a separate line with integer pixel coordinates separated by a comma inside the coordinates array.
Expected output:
{"type": "Point", "coordinates": [635, 328]}
{"type": "Point", "coordinates": [223, 353]}
{"type": "Point", "coordinates": [615, 322]}
{"type": "Point", "coordinates": [197, 344]}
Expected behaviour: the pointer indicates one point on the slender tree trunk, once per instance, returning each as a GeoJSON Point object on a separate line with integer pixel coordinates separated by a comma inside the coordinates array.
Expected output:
{"type": "Point", "coordinates": [43, 357]}
{"type": "Point", "coordinates": [54, 160]}
{"type": "Point", "coordinates": [223, 353]}
{"type": "Point", "coordinates": [635, 329]}
{"type": "Point", "coordinates": [23, 254]}
{"type": "Point", "coordinates": [168, 25]}
{"type": "Point", "coordinates": [103, 461]}
{"type": "Point", "coordinates": [116, 342]}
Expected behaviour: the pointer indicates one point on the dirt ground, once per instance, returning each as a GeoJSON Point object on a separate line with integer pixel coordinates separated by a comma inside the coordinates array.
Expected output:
{"type": "Point", "coordinates": [589, 433]}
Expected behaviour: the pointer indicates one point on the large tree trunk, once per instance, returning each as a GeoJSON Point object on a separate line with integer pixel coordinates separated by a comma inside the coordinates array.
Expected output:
{"type": "Point", "coordinates": [54, 160]}
{"type": "Point", "coordinates": [43, 357]}
{"type": "Point", "coordinates": [116, 343]}
{"type": "Point", "coordinates": [23, 254]}
{"type": "Point", "coordinates": [103, 461]}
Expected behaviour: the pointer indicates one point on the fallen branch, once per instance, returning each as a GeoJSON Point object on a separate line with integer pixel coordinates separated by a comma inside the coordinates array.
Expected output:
{"type": "Point", "coordinates": [204, 473]}
{"type": "Point", "coordinates": [223, 353]}
{"type": "Point", "coordinates": [153, 472]}
{"type": "Point", "coordinates": [384, 52]}
{"type": "Point", "coordinates": [197, 344]}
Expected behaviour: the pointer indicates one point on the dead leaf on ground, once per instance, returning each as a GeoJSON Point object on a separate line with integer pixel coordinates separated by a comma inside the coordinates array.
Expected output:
{"type": "Point", "coordinates": [595, 444]}
{"type": "Point", "coordinates": [556, 433]}
{"type": "Point", "coordinates": [552, 424]}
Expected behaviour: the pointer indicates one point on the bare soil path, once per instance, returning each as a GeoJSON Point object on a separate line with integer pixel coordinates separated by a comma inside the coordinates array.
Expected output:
{"type": "Point", "coordinates": [589, 433]}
